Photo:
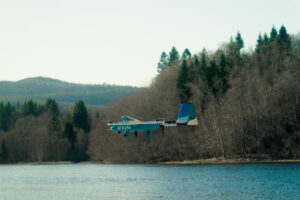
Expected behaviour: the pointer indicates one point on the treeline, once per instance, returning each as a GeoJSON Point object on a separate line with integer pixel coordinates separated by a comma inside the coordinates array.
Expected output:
{"type": "Point", "coordinates": [40, 89]}
{"type": "Point", "coordinates": [43, 132]}
{"type": "Point", "coordinates": [247, 104]}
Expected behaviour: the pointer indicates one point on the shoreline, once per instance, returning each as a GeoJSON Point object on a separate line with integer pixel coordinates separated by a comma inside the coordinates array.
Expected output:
{"type": "Point", "coordinates": [228, 161]}
{"type": "Point", "coordinates": [185, 162]}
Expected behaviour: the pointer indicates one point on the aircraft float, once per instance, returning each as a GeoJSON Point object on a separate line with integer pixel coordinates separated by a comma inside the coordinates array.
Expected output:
{"type": "Point", "coordinates": [187, 116]}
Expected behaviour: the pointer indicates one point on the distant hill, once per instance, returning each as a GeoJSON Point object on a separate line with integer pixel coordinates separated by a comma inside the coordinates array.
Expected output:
{"type": "Point", "coordinates": [41, 88]}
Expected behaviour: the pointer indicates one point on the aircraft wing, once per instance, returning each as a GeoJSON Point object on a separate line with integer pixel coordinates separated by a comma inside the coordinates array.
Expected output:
{"type": "Point", "coordinates": [129, 119]}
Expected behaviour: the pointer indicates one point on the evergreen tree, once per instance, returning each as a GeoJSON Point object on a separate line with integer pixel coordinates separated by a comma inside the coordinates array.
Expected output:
{"type": "Point", "coordinates": [203, 63]}
{"type": "Point", "coordinates": [273, 34]}
{"type": "Point", "coordinates": [6, 112]}
{"type": "Point", "coordinates": [223, 73]}
{"type": "Point", "coordinates": [266, 39]}
{"type": "Point", "coordinates": [223, 61]}
{"type": "Point", "coordinates": [239, 41]}
{"type": "Point", "coordinates": [196, 61]}
{"type": "Point", "coordinates": [70, 133]}
{"type": "Point", "coordinates": [186, 54]}
{"type": "Point", "coordinates": [173, 56]}
{"type": "Point", "coordinates": [183, 79]}
{"type": "Point", "coordinates": [31, 108]}
{"type": "Point", "coordinates": [52, 107]}
{"type": "Point", "coordinates": [232, 52]}
{"type": "Point", "coordinates": [284, 40]}
{"type": "Point", "coordinates": [259, 44]}
{"type": "Point", "coordinates": [194, 68]}
{"type": "Point", "coordinates": [80, 116]}
{"type": "Point", "coordinates": [163, 62]}
{"type": "Point", "coordinates": [2, 116]}
{"type": "Point", "coordinates": [3, 152]}
{"type": "Point", "coordinates": [211, 76]}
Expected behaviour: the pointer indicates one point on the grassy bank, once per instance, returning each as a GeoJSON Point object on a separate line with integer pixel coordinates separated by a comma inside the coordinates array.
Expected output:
{"type": "Point", "coordinates": [39, 163]}
{"type": "Point", "coordinates": [229, 161]}
{"type": "Point", "coordinates": [185, 162]}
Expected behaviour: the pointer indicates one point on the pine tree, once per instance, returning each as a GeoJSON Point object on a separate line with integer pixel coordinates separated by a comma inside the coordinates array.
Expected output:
{"type": "Point", "coordinates": [52, 107]}
{"type": "Point", "coordinates": [223, 61]}
{"type": "Point", "coordinates": [239, 41]}
{"type": "Point", "coordinates": [284, 40]}
{"type": "Point", "coordinates": [223, 73]}
{"type": "Point", "coordinates": [266, 39]}
{"type": "Point", "coordinates": [2, 116]}
{"type": "Point", "coordinates": [196, 61]}
{"type": "Point", "coordinates": [3, 152]}
{"type": "Point", "coordinates": [183, 79]}
{"type": "Point", "coordinates": [80, 116]}
{"type": "Point", "coordinates": [6, 112]}
{"type": "Point", "coordinates": [186, 54]}
{"type": "Point", "coordinates": [70, 133]}
{"type": "Point", "coordinates": [203, 63]}
{"type": "Point", "coordinates": [31, 108]}
{"type": "Point", "coordinates": [273, 34]}
{"type": "Point", "coordinates": [212, 75]}
{"type": "Point", "coordinates": [163, 62]}
{"type": "Point", "coordinates": [173, 56]}
{"type": "Point", "coordinates": [194, 68]}
{"type": "Point", "coordinates": [259, 44]}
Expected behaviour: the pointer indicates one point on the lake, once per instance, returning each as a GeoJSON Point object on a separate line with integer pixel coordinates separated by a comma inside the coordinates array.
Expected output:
{"type": "Point", "coordinates": [121, 181]}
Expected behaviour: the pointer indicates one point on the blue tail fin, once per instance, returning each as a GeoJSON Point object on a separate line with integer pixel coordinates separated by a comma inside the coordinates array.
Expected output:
{"type": "Point", "coordinates": [187, 115]}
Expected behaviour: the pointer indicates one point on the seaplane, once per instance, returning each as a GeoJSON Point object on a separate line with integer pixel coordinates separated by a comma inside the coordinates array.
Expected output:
{"type": "Point", "coordinates": [186, 117]}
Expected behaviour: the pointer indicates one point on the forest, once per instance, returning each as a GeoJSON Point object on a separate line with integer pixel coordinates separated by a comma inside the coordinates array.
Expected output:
{"type": "Point", "coordinates": [40, 89]}
{"type": "Point", "coordinates": [247, 104]}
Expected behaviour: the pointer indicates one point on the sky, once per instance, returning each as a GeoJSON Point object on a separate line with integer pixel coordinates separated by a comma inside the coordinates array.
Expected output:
{"type": "Point", "coordinates": [120, 41]}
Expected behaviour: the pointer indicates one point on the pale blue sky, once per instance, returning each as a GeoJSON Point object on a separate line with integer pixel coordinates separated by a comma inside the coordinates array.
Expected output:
{"type": "Point", "coordinates": [120, 42]}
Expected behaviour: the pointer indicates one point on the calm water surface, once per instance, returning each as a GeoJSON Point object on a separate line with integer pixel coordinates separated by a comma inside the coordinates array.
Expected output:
{"type": "Point", "coordinates": [98, 181]}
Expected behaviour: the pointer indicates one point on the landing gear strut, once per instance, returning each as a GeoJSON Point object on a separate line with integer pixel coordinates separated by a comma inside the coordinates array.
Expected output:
{"type": "Point", "coordinates": [148, 134]}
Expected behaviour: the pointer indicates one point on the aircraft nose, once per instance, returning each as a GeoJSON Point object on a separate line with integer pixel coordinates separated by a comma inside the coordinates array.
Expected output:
{"type": "Point", "coordinates": [113, 128]}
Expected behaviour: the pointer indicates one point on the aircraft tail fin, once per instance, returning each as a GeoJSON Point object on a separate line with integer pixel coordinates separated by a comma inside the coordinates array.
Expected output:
{"type": "Point", "coordinates": [187, 115]}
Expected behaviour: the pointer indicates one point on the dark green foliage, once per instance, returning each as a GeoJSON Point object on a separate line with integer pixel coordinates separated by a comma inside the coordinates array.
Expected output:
{"type": "Point", "coordinates": [6, 114]}
{"type": "Point", "coordinates": [239, 41]}
{"type": "Point", "coordinates": [259, 43]}
{"type": "Point", "coordinates": [233, 50]}
{"type": "Point", "coordinates": [3, 152]}
{"type": "Point", "coordinates": [80, 116]}
{"type": "Point", "coordinates": [35, 134]}
{"type": "Point", "coordinates": [52, 107]}
{"type": "Point", "coordinates": [273, 34]}
{"type": "Point", "coordinates": [31, 108]}
{"type": "Point", "coordinates": [284, 40]}
{"type": "Point", "coordinates": [183, 79]}
{"type": "Point", "coordinates": [203, 64]}
{"type": "Point", "coordinates": [266, 39]}
{"type": "Point", "coordinates": [196, 61]}
{"type": "Point", "coordinates": [70, 133]}
{"type": "Point", "coordinates": [186, 54]}
{"type": "Point", "coordinates": [163, 62]}
{"type": "Point", "coordinates": [223, 73]}
{"type": "Point", "coordinates": [246, 108]}
{"type": "Point", "coordinates": [173, 55]}
{"type": "Point", "coordinates": [40, 89]}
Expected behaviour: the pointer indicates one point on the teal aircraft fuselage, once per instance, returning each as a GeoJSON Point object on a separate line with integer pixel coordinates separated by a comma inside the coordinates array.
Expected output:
{"type": "Point", "coordinates": [186, 116]}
